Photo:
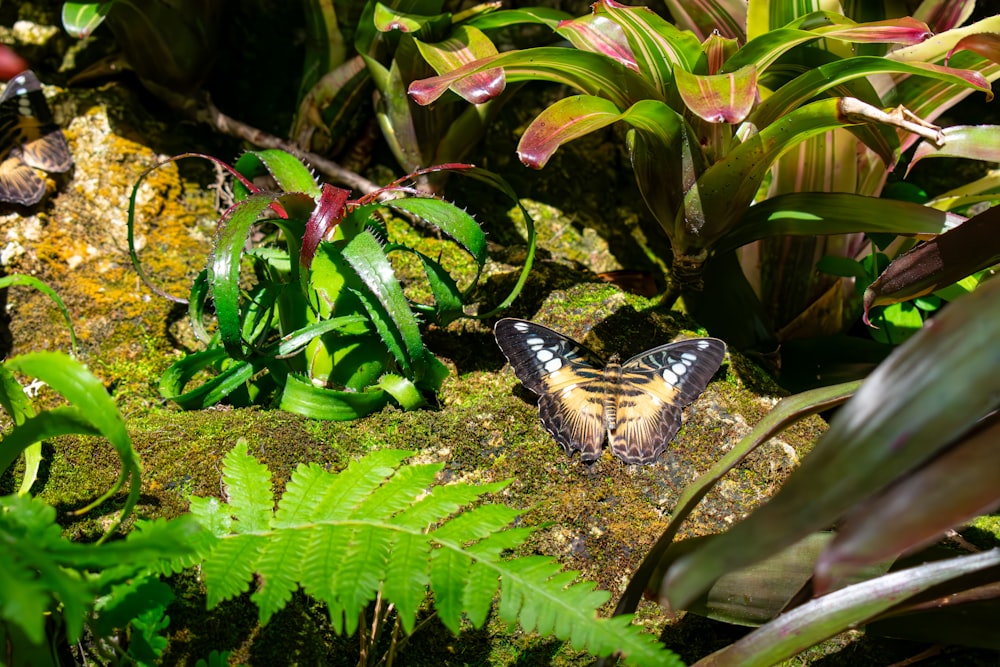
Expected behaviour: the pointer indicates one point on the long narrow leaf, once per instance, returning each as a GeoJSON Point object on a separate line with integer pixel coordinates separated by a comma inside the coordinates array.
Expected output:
{"type": "Point", "coordinates": [899, 418]}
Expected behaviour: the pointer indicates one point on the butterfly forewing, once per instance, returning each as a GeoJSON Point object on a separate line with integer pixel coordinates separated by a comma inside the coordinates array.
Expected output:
{"type": "Point", "coordinates": [28, 138]}
{"type": "Point", "coordinates": [566, 376]}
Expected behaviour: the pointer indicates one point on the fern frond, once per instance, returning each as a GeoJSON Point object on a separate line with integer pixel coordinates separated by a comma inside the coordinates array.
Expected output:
{"type": "Point", "coordinates": [380, 526]}
{"type": "Point", "coordinates": [351, 486]}
{"type": "Point", "coordinates": [404, 584]}
{"type": "Point", "coordinates": [229, 568]}
{"type": "Point", "coordinates": [249, 486]}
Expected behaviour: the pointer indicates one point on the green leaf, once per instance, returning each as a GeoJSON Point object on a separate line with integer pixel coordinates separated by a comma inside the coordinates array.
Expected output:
{"type": "Point", "coordinates": [93, 412]}
{"type": "Point", "coordinates": [450, 219]}
{"type": "Point", "coordinates": [812, 213]}
{"type": "Point", "coordinates": [80, 18]}
{"type": "Point", "coordinates": [288, 170]}
{"type": "Point", "coordinates": [224, 268]}
{"type": "Point", "coordinates": [368, 260]}
{"type": "Point", "coordinates": [176, 377]}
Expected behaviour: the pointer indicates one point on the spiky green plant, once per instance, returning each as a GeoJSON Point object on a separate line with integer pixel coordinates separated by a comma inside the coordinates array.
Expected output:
{"type": "Point", "coordinates": [324, 327]}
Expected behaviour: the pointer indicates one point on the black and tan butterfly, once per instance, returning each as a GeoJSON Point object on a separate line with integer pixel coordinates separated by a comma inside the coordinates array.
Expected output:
{"type": "Point", "coordinates": [29, 140]}
{"type": "Point", "coordinates": [637, 403]}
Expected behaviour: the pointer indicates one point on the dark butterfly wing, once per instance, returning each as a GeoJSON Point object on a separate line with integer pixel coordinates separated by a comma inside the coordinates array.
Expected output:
{"type": "Point", "coordinates": [28, 138]}
{"type": "Point", "coordinates": [566, 376]}
{"type": "Point", "coordinates": [19, 184]}
{"type": "Point", "coordinates": [654, 388]}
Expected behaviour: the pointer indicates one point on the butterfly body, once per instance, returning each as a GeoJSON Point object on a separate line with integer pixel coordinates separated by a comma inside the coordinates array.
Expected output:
{"type": "Point", "coordinates": [29, 140]}
{"type": "Point", "coordinates": [637, 404]}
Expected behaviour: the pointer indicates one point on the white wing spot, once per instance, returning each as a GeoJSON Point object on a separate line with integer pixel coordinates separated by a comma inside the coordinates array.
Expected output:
{"type": "Point", "coordinates": [703, 344]}
{"type": "Point", "coordinates": [670, 377]}
{"type": "Point", "coordinates": [544, 355]}
{"type": "Point", "coordinates": [534, 340]}
{"type": "Point", "coordinates": [689, 357]}
{"type": "Point", "coordinates": [566, 390]}
{"type": "Point", "coordinates": [521, 326]}
{"type": "Point", "coordinates": [679, 369]}
{"type": "Point", "coordinates": [657, 402]}
{"type": "Point", "coordinates": [552, 365]}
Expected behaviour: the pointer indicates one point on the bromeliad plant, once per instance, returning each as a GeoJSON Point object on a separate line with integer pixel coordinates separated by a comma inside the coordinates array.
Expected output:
{"type": "Point", "coordinates": [323, 327]}
{"type": "Point", "coordinates": [710, 114]}
{"type": "Point", "coordinates": [386, 40]}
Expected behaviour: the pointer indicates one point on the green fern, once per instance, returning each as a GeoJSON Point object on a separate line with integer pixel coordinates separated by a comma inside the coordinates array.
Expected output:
{"type": "Point", "coordinates": [103, 586]}
{"type": "Point", "coordinates": [383, 527]}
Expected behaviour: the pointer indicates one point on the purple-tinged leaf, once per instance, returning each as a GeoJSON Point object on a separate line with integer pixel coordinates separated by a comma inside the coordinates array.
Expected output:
{"type": "Point", "coordinates": [704, 18]}
{"type": "Point", "coordinates": [589, 73]}
{"type": "Point", "coordinates": [658, 46]}
{"type": "Point", "coordinates": [598, 34]}
{"type": "Point", "coordinates": [975, 142]}
{"type": "Point", "coordinates": [970, 247]}
{"type": "Point", "coordinates": [719, 98]}
{"type": "Point", "coordinates": [718, 50]}
{"type": "Point", "coordinates": [821, 618]}
{"type": "Point", "coordinates": [940, 45]}
{"type": "Point", "coordinates": [567, 119]}
{"type": "Point", "coordinates": [727, 187]}
{"type": "Point", "coordinates": [904, 30]}
{"type": "Point", "coordinates": [324, 219]}
{"type": "Point", "coordinates": [928, 392]}
{"type": "Point", "coordinates": [960, 484]}
{"type": "Point", "coordinates": [463, 46]}
{"type": "Point", "coordinates": [985, 44]}
{"type": "Point", "coordinates": [942, 15]}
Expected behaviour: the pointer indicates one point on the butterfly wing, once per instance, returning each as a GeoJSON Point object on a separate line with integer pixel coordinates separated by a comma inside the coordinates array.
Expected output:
{"type": "Point", "coordinates": [566, 376]}
{"type": "Point", "coordinates": [654, 388]}
{"type": "Point", "coordinates": [28, 138]}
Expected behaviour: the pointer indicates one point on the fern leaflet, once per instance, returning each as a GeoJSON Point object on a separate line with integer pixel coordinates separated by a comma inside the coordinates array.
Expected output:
{"type": "Point", "coordinates": [383, 527]}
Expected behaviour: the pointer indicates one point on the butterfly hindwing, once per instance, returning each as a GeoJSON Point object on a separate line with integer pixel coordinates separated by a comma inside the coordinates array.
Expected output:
{"type": "Point", "coordinates": [28, 138]}
{"type": "Point", "coordinates": [655, 386]}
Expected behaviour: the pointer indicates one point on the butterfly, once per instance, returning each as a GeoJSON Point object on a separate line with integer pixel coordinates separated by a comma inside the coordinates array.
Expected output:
{"type": "Point", "coordinates": [638, 403]}
{"type": "Point", "coordinates": [28, 138]}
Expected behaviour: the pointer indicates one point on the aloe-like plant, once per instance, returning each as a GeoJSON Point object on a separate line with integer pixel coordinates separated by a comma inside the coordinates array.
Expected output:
{"type": "Point", "coordinates": [324, 327]}
{"type": "Point", "coordinates": [383, 532]}
{"type": "Point", "coordinates": [710, 114]}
